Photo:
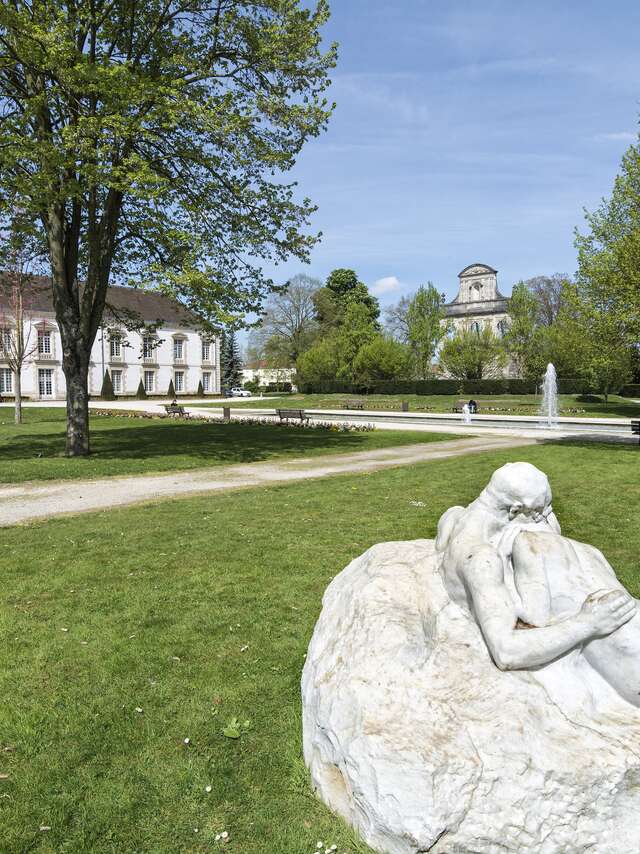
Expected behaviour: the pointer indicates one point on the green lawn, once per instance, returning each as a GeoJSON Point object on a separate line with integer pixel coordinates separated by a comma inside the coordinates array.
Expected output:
{"type": "Point", "coordinates": [198, 611]}
{"type": "Point", "coordinates": [509, 404]}
{"type": "Point", "coordinates": [35, 450]}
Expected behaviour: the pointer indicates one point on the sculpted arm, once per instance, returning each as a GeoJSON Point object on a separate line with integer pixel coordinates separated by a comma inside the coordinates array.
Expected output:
{"type": "Point", "coordinates": [515, 649]}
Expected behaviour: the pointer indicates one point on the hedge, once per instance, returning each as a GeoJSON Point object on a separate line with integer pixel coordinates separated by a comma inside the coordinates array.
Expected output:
{"type": "Point", "coordinates": [630, 390]}
{"type": "Point", "coordinates": [420, 387]}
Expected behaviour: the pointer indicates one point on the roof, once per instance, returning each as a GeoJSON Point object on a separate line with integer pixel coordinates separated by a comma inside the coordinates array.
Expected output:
{"type": "Point", "coordinates": [485, 267]}
{"type": "Point", "coordinates": [151, 306]}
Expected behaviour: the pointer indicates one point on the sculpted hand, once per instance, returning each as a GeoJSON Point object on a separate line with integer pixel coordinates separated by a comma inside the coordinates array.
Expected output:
{"type": "Point", "coordinates": [606, 610]}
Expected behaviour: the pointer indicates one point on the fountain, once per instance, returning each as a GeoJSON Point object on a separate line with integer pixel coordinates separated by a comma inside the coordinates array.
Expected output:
{"type": "Point", "coordinates": [549, 408]}
{"type": "Point", "coordinates": [466, 414]}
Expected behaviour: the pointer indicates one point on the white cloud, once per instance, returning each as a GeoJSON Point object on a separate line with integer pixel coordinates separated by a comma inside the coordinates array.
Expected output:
{"type": "Point", "coordinates": [386, 285]}
{"type": "Point", "coordinates": [620, 136]}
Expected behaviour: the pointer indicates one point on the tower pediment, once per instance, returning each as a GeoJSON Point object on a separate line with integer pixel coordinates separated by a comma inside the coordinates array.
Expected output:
{"type": "Point", "coordinates": [477, 270]}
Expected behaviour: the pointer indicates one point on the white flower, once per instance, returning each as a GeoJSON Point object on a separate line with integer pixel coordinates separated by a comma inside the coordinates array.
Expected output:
{"type": "Point", "coordinates": [187, 741]}
{"type": "Point", "coordinates": [138, 710]}
{"type": "Point", "coordinates": [207, 789]}
{"type": "Point", "coordinates": [224, 835]}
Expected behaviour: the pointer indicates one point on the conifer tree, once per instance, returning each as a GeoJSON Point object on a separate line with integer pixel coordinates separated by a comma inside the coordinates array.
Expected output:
{"type": "Point", "coordinates": [107, 393]}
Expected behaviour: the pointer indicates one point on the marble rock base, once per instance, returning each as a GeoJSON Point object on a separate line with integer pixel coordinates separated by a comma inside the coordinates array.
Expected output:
{"type": "Point", "coordinates": [414, 736]}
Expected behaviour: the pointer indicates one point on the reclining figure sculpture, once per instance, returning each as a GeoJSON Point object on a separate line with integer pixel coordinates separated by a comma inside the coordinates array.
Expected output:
{"type": "Point", "coordinates": [534, 593]}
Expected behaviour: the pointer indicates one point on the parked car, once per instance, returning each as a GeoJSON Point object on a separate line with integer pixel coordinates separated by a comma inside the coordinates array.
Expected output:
{"type": "Point", "coordinates": [239, 392]}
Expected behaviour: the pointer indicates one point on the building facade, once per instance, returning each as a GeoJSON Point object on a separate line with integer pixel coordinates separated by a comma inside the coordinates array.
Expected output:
{"type": "Point", "coordinates": [168, 348]}
{"type": "Point", "coordinates": [479, 302]}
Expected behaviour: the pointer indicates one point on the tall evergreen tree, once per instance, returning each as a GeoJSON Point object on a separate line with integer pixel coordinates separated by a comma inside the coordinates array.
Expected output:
{"type": "Point", "coordinates": [230, 361]}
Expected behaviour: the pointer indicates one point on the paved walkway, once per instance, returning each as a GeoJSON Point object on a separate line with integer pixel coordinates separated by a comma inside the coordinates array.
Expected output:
{"type": "Point", "coordinates": [30, 501]}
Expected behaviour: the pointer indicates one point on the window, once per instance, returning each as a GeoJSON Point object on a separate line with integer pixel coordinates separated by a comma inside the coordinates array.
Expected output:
{"type": "Point", "coordinates": [475, 327]}
{"type": "Point", "coordinates": [178, 382]}
{"type": "Point", "coordinates": [5, 340]}
{"type": "Point", "coordinates": [502, 328]}
{"type": "Point", "coordinates": [178, 349]}
{"type": "Point", "coordinates": [206, 351]}
{"type": "Point", "coordinates": [148, 347]}
{"type": "Point", "coordinates": [6, 381]}
{"type": "Point", "coordinates": [116, 379]}
{"type": "Point", "coordinates": [45, 382]}
{"type": "Point", "coordinates": [149, 380]}
{"type": "Point", "coordinates": [115, 347]}
{"type": "Point", "coordinates": [44, 343]}
{"type": "Point", "coordinates": [206, 381]}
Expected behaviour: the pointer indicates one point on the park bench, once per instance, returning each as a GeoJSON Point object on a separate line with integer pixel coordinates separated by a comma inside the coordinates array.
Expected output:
{"type": "Point", "coordinates": [292, 415]}
{"type": "Point", "coordinates": [354, 404]}
{"type": "Point", "coordinates": [175, 410]}
{"type": "Point", "coordinates": [635, 429]}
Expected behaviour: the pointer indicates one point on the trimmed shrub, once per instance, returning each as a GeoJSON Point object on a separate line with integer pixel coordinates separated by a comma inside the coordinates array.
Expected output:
{"type": "Point", "coordinates": [460, 387]}
{"type": "Point", "coordinates": [141, 394]}
{"type": "Point", "coordinates": [106, 392]}
{"type": "Point", "coordinates": [171, 391]}
{"type": "Point", "coordinates": [630, 390]}
{"type": "Point", "coordinates": [200, 392]}
{"type": "Point", "coordinates": [277, 387]}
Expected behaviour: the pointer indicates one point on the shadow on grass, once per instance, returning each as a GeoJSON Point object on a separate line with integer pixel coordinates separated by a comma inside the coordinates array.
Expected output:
{"type": "Point", "coordinates": [596, 442]}
{"type": "Point", "coordinates": [203, 441]}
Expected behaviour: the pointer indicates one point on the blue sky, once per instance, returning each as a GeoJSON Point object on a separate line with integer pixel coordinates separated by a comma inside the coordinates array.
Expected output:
{"type": "Point", "coordinates": [468, 131]}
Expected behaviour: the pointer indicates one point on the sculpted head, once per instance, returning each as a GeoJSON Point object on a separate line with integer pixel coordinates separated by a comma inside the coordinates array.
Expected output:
{"type": "Point", "coordinates": [520, 490]}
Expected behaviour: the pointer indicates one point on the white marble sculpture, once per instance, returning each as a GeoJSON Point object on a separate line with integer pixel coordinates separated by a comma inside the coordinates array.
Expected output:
{"type": "Point", "coordinates": [480, 693]}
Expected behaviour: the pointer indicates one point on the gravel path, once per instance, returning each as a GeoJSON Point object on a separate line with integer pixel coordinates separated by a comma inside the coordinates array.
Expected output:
{"type": "Point", "coordinates": [30, 501]}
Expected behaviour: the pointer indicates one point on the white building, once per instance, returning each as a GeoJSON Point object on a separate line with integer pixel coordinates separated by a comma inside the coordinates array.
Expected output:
{"type": "Point", "coordinates": [479, 302]}
{"type": "Point", "coordinates": [168, 348]}
{"type": "Point", "coordinates": [265, 376]}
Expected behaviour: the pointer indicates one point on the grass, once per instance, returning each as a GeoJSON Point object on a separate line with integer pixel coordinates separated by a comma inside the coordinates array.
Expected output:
{"type": "Point", "coordinates": [201, 610]}
{"type": "Point", "coordinates": [122, 446]}
{"type": "Point", "coordinates": [510, 404]}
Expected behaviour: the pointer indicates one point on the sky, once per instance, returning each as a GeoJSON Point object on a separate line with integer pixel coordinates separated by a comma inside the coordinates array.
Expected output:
{"type": "Point", "coordinates": [468, 131]}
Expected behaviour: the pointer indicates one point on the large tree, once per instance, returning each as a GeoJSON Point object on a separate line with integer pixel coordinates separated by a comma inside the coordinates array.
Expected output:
{"type": "Point", "coordinates": [473, 354]}
{"type": "Point", "coordinates": [150, 138]}
{"type": "Point", "coordinates": [609, 252]}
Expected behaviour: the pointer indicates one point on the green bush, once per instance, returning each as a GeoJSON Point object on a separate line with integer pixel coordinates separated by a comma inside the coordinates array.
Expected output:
{"type": "Point", "coordinates": [171, 391]}
{"type": "Point", "coordinates": [141, 394]}
{"type": "Point", "coordinates": [200, 392]}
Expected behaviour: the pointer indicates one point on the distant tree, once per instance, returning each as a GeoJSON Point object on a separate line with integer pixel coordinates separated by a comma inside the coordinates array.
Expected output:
{"type": "Point", "coordinates": [524, 339]}
{"type": "Point", "coordinates": [107, 392]}
{"type": "Point", "coordinates": [171, 391]}
{"type": "Point", "coordinates": [141, 393]}
{"type": "Point", "coordinates": [288, 325]}
{"type": "Point", "coordinates": [395, 320]}
{"type": "Point", "coordinates": [425, 328]}
{"type": "Point", "coordinates": [473, 355]}
{"type": "Point", "coordinates": [357, 329]}
{"type": "Point", "coordinates": [230, 360]}
{"type": "Point", "coordinates": [382, 358]}
{"type": "Point", "coordinates": [319, 363]}
{"type": "Point", "coordinates": [547, 291]}
{"type": "Point", "coordinates": [342, 289]}
{"type": "Point", "coordinates": [21, 259]}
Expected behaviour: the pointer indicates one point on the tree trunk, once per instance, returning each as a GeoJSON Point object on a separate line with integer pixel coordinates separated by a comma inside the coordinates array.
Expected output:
{"type": "Point", "coordinates": [76, 371]}
{"type": "Point", "coordinates": [17, 387]}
